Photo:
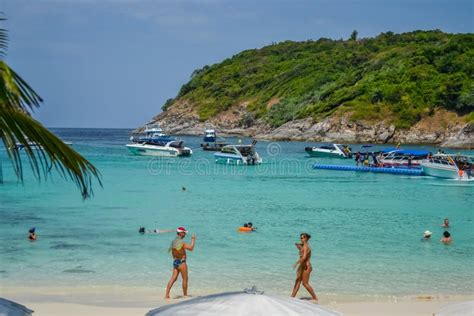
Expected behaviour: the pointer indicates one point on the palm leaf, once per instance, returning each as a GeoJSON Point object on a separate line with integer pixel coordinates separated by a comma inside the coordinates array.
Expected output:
{"type": "Point", "coordinates": [15, 124]}
{"type": "Point", "coordinates": [14, 91]}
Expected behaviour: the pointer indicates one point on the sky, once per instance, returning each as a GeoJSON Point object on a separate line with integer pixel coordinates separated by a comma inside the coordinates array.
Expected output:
{"type": "Point", "coordinates": [113, 63]}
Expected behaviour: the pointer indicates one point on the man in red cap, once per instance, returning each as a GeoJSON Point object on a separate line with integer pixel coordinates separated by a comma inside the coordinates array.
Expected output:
{"type": "Point", "coordinates": [178, 250]}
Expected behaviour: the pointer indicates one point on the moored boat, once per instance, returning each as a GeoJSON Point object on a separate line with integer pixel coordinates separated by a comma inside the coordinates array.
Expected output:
{"type": "Point", "coordinates": [211, 142]}
{"type": "Point", "coordinates": [330, 151]}
{"type": "Point", "coordinates": [402, 157]}
{"type": "Point", "coordinates": [448, 166]}
{"type": "Point", "coordinates": [153, 134]}
{"type": "Point", "coordinates": [170, 149]}
{"type": "Point", "coordinates": [238, 155]}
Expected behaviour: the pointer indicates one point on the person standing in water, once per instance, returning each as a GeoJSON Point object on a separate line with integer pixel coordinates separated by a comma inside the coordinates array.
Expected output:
{"type": "Point", "coordinates": [303, 266]}
{"type": "Point", "coordinates": [32, 234]}
{"type": "Point", "coordinates": [178, 251]}
{"type": "Point", "coordinates": [446, 238]}
{"type": "Point", "coordinates": [445, 223]}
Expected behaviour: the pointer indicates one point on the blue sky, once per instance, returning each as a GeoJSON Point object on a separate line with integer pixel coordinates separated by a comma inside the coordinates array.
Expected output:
{"type": "Point", "coordinates": [113, 63]}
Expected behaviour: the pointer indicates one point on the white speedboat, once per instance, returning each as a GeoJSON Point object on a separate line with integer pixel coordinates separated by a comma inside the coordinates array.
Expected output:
{"type": "Point", "coordinates": [330, 151]}
{"type": "Point", "coordinates": [238, 155]}
{"type": "Point", "coordinates": [448, 166]}
{"type": "Point", "coordinates": [170, 149]}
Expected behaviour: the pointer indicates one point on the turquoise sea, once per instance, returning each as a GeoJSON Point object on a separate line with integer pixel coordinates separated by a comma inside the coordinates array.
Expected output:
{"type": "Point", "coordinates": [366, 228]}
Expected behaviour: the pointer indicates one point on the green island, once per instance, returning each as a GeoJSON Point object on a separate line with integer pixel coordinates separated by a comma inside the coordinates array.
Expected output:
{"type": "Point", "coordinates": [396, 78]}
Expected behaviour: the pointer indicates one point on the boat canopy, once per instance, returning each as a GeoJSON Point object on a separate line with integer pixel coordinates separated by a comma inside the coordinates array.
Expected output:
{"type": "Point", "coordinates": [408, 152]}
{"type": "Point", "coordinates": [390, 149]}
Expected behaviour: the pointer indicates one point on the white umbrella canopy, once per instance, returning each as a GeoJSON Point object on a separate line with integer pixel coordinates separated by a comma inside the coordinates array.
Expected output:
{"type": "Point", "coordinates": [10, 308]}
{"type": "Point", "coordinates": [457, 309]}
{"type": "Point", "coordinates": [248, 302]}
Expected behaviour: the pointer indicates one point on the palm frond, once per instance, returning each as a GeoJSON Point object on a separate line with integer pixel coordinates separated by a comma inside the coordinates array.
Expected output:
{"type": "Point", "coordinates": [14, 91]}
{"type": "Point", "coordinates": [17, 98]}
{"type": "Point", "coordinates": [15, 124]}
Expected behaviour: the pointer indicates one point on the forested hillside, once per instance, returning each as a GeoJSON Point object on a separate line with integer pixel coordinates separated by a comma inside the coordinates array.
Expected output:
{"type": "Point", "coordinates": [401, 78]}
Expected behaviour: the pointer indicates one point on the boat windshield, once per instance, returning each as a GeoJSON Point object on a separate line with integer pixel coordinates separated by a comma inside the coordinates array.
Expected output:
{"type": "Point", "coordinates": [176, 144]}
{"type": "Point", "coordinates": [229, 150]}
{"type": "Point", "coordinates": [330, 147]}
{"type": "Point", "coordinates": [246, 150]}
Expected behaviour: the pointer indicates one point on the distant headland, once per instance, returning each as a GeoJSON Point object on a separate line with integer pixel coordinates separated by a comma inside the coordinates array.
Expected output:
{"type": "Point", "coordinates": [414, 87]}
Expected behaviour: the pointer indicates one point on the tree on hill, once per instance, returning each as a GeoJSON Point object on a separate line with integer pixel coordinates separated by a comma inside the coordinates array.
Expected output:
{"type": "Point", "coordinates": [354, 35]}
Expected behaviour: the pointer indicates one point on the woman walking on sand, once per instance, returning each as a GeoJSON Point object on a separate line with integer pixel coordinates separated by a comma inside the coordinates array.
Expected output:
{"type": "Point", "coordinates": [178, 251]}
{"type": "Point", "coordinates": [304, 267]}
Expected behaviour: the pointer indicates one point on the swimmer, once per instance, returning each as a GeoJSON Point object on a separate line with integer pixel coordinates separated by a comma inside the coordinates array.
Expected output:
{"type": "Point", "coordinates": [32, 235]}
{"type": "Point", "coordinates": [446, 238]}
{"type": "Point", "coordinates": [183, 189]}
{"type": "Point", "coordinates": [427, 235]}
{"type": "Point", "coordinates": [142, 230]}
{"type": "Point", "coordinates": [250, 225]}
{"type": "Point", "coordinates": [445, 223]}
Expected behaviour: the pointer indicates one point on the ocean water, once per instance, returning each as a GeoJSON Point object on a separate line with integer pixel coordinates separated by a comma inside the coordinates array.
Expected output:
{"type": "Point", "coordinates": [366, 228]}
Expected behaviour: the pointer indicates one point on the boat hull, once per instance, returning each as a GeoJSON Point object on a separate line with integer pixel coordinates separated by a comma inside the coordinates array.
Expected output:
{"type": "Point", "coordinates": [157, 151]}
{"type": "Point", "coordinates": [235, 160]}
{"type": "Point", "coordinates": [325, 154]}
{"type": "Point", "coordinates": [440, 172]}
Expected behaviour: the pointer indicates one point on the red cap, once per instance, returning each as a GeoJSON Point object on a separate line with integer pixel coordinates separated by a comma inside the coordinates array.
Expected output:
{"type": "Point", "coordinates": [181, 230]}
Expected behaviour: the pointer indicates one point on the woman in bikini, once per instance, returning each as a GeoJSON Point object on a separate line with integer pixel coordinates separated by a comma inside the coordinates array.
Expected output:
{"type": "Point", "coordinates": [178, 251]}
{"type": "Point", "coordinates": [304, 267]}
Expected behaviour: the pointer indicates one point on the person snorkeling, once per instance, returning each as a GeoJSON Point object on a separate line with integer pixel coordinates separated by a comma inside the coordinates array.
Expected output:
{"type": "Point", "coordinates": [142, 231]}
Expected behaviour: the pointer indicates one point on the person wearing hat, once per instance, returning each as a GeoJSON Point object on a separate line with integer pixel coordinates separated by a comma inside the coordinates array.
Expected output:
{"type": "Point", "coordinates": [427, 235]}
{"type": "Point", "coordinates": [178, 251]}
{"type": "Point", "coordinates": [32, 234]}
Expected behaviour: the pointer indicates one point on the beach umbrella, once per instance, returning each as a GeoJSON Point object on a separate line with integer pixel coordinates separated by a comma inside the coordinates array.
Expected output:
{"type": "Point", "coordinates": [247, 302]}
{"type": "Point", "coordinates": [457, 309]}
{"type": "Point", "coordinates": [10, 308]}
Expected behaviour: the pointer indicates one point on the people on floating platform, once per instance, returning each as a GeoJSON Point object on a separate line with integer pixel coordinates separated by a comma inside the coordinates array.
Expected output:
{"type": "Point", "coordinates": [357, 158]}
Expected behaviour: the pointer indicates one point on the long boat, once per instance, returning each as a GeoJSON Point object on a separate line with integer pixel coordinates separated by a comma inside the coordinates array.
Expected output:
{"type": "Point", "coordinates": [402, 157]}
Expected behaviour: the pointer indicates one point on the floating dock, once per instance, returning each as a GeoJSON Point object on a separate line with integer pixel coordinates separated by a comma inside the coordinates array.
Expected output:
{"type": "Point", "coordinates": [408, 171]}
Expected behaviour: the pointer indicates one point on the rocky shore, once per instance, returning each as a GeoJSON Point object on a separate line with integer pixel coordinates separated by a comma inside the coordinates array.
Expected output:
{"type": "Point", "coordinates": [443, 128]}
